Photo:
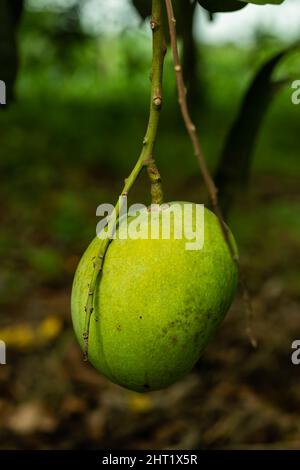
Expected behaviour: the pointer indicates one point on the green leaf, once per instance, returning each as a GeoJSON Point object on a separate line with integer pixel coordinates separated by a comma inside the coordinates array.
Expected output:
{"type": "Point", "coordinates": [143, 7]}
{"type": "Point", "coordinates": [234, 167]}
{"type": "Point", "coordinates": [263, 2]}
{"type": "Point", "coordinates": [216, 6]}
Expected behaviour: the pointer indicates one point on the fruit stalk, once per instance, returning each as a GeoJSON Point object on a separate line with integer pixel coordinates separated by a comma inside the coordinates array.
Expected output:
{"type": "Point", "coordinates": [146, 158]}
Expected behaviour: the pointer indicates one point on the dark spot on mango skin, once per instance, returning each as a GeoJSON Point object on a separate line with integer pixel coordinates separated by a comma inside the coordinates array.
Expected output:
{"type": "Point", "coordinates": [174, 339]}
{"type": "Point", "coordinates": [141, 317]}
{"type": "Point", "coordinates": [119, 328]}
{"type": "Point", "coordinates": [146, 386]}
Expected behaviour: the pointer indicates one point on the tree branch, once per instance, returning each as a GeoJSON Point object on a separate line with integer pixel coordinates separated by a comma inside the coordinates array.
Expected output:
{"type": "Point", "coordinates": [190, 126]}
{"type": "Point", "coordinates": [210, 185]}
{"type": "Point", "coordinates": [145, 159]}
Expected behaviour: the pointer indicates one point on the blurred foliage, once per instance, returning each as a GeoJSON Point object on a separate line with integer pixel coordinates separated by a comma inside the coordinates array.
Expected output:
{"type": "Point", "coordinates": [67, 143]}
{"type": "Point", "coordinates": [233, 171]}
{"type": "Point", "coordinates": [232, 5]}
{"type": "Point", "coordinates": [25, 336]}
{"type": "Point", "coordinates": [215, 6]}
{"type": "Point", "coordinates": [10, 13]}
{"type": "Point", "coordinates": [77, 127]}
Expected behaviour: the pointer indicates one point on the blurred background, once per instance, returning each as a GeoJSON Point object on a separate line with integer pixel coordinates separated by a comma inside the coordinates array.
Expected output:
{"type": "Point", "coordinates": [71, 133]}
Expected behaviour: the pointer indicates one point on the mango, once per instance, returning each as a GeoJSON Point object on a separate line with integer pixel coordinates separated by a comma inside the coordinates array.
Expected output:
{"type": "Point", "coordinates": [157, 303]}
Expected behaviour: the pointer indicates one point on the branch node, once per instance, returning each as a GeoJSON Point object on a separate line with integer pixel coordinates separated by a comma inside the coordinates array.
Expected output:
{"type": "Point", "coordinates": [148, 161]}
{"type": "Point", "coordinates": [157, 101]}
{"type": "Point", "coordinates": [155, 180]}
{"type": "Point", "coordinates": [154, 25]}
{"type": "Point", "coordinates": [158, 53]}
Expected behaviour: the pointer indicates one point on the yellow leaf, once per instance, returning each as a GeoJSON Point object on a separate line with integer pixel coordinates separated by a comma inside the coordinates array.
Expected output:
{"type": "Point", "coordinates": [49, 328]}
{"type": "Point", "coordinates": [139, 403]}
{"type": "Point", "coordinates": [25, 336]}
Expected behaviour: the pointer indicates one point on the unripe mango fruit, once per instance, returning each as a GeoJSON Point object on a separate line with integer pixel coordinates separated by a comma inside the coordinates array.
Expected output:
{"type": "Point", "coordinates": [157, 304]}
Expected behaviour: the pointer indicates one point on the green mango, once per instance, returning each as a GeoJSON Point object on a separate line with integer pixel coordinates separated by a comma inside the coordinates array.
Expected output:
{"type": "Point", "coordinates": [157, 304]}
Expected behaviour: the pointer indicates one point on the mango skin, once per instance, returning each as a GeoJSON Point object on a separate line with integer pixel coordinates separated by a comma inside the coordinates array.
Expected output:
{"type": "Point", "coordinates": [156, 306]}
